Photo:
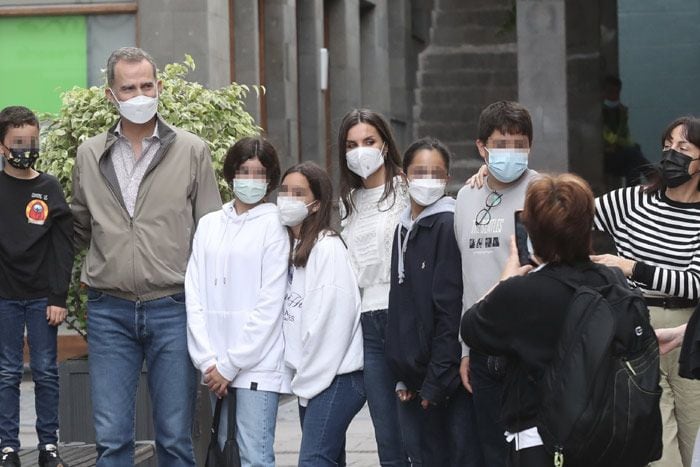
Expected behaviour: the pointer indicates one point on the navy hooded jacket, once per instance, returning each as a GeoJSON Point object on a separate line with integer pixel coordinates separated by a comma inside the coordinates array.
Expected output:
{"type": "Point", "coordinates": [425, 303]}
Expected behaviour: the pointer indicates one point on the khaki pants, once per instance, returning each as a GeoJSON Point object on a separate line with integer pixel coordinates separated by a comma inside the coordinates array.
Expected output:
{"type": "Point", "coordinates": [680, 399]}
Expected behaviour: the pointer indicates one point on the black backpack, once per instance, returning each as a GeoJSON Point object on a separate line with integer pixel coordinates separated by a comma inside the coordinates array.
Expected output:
{"type": "Point", "coordinates": [601, 392]}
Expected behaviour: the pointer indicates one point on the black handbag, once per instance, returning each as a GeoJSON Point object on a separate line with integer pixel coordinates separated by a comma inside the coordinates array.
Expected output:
{"type": "Point", "coordinates": [230, 455]}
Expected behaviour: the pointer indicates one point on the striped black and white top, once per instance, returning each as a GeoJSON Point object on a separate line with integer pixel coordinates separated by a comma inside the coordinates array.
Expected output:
{"type": "Point", "coordinates": [662, 235]}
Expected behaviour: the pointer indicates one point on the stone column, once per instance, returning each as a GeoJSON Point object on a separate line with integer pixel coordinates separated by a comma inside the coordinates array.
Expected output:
{"type": "Point", "coordinates": [281, 79]}
{"type": "Point", "coordinates": [343, 18]}
{"type": "Point", "coordinates": [584, 73]}
{"type": "Point", "coordinates": [402, 70]}
{"type": "Point", "coordinates": [246, 51]}
{"type": "Point", "coordinates": [541, 26]}
{"type": "Point", "coordinates": [312, 115]}
{"type": "Point", "coordinates": [559, 72]}
{"type": "Point", "coordinates": [374, 55]}
{"type": "Point", "coordinates": [169, 30]}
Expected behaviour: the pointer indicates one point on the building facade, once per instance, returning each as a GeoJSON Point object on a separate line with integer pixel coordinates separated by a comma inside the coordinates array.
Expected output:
{"type": "Point", "coordinates": [429, 65]}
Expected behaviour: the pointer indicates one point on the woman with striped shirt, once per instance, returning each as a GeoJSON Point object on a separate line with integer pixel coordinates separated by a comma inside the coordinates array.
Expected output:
{"type": "Point", "coordinates": [656, 229]}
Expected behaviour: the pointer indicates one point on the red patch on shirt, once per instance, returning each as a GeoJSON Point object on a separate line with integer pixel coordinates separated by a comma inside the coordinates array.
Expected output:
{"type": "Point", "coordinates": [37, 212]}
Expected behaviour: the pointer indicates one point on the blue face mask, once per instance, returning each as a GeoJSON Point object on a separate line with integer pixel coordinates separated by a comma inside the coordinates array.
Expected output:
{"type": "Point", "coordinates": [249, 190]}
{"type": "Point", "coordinates": [507, 165]}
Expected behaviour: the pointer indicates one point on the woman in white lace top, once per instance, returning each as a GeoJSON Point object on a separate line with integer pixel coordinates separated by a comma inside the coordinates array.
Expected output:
{"type": "Point", "coordinates": [373, 192]}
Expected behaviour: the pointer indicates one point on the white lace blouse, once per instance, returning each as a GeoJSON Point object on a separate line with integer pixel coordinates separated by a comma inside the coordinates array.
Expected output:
{"type": "Point", "coordinates": [368, 232]}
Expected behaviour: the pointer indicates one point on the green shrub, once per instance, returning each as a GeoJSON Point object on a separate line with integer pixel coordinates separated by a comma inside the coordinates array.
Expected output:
{"type": "Point", "coordinates": [217, 116]}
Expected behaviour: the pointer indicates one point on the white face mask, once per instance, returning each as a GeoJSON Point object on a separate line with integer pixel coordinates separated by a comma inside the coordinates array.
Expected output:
{"type": "Point", "coordinates": [425, 191]}
{"type": "Point", "coordinates": [365, 160]}
{"type": "Point", "coordinates": [293, 211]}
{"type": "Point", "coordinates": [139, 109]}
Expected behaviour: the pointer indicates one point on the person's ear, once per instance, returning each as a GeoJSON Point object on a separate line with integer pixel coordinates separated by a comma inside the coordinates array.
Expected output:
{"type": "Point", "coordinates": [109, 95]}
{"type": "Point", "coordinates": [159, 86]}
{"type": "Point", "coordinates": [481, 147]}
{"type": "Point", "coordinates": [315, 206]}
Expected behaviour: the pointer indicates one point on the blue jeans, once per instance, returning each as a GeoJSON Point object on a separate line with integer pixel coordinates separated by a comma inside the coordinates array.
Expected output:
{"type": "Point", "coordinates": [443, 434]}
{"type": "Point", "coordinates": [121, 334]}
{"type": "Point", "coordinates": [487, 385]}
{"type": "Point", "coordinates": [326, 418]}
{"type": "Point", "coordinates": [379, 387]}
{"type": "Point", "coordinates": [15, 315]}
{"type": "Point", "coordinates": [256, 418]}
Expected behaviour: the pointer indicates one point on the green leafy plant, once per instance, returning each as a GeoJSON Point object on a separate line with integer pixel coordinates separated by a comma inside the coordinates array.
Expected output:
{"type": "Point", "coordinates": [218, 116]}
{"type": "Point", "coordinates": [510, 23]}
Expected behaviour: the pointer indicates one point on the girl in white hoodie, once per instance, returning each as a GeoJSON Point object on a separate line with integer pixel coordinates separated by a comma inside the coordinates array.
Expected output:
{"type": "Point", "coordinates": [235, 286]}
{"type": "Point", "coordinates": [321, 318]}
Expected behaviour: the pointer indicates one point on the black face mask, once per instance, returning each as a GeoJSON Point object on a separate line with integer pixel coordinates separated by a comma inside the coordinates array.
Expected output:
{"type": "Point", "coordinates": [21, 158]}
{"type": "Point", "coordinates": [674, 168]}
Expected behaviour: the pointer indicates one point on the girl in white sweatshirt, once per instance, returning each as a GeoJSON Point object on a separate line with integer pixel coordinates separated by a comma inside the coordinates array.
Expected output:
{"type": "Point", "coordinates": [235, 286]}
{"type": "Point", "coordinates": [321, 318]}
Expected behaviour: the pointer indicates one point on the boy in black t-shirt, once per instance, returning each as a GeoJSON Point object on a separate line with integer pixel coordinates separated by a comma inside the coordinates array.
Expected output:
{"type": "Point", "coordinates": [36, 258]}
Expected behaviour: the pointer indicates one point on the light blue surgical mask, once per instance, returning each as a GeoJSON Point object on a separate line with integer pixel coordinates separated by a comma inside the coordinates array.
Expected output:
{"type": "Point", "coordinates": [249, 190]}
{"type": "Point", "coordinates": [507, 165]}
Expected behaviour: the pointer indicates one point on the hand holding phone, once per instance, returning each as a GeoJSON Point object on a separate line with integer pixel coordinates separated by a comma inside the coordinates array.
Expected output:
{"type": "Point", "coordinates": [522, 241]}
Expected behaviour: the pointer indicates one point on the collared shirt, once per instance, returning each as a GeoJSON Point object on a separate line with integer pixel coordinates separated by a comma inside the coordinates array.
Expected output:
{"type": "Point", "coordinates": [129, 170]}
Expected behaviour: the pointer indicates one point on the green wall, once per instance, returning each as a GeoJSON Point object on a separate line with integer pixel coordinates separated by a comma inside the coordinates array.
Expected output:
{"type": "Point", "coordinates": [40, 57]}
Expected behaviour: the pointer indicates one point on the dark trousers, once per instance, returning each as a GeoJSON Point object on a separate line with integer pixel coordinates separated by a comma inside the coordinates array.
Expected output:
{"type": "Point", "coordinates": [535, 456]}
{"type": "Point", "coordinates": [487, 384]}
{"type": "Point", "coordinates": [443, 434]}
{"type": "Point", "coordinates": [379, 387]}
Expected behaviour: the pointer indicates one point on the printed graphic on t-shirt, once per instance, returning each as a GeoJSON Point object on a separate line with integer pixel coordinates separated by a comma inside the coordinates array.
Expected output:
{"type": "Point", "coordinates": [486, 236]}
{"type": "Point", "coordinates": [292, 306]}
{"type": "Point", "coordinates": [37, 211]}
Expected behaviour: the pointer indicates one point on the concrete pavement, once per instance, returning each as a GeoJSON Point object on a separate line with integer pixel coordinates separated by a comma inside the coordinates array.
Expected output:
{"type": "Point", "coordinates": [360, 444]}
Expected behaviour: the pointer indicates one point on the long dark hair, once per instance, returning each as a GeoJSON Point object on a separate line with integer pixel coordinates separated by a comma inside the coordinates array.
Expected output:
{"type": "Point", "coordinates": [318, 221]}
{"type": "Point", "coordinates": [392, 162]}
{"type": "Point", "coordinates": [691, 130]}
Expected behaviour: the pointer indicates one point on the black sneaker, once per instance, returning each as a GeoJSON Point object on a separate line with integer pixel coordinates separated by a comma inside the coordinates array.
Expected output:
{"type": "Point", "coordinates": [9, 458]}
{"type": "Point", "coordinates": [48, 457]}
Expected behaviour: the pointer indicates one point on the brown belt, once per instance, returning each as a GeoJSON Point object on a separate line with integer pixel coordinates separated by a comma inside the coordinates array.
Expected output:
{"type": "Point", "coordinates": [671, 302]}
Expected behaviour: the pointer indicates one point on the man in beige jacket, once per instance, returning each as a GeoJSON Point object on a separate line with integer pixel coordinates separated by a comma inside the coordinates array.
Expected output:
{"type": "Point", "coordinates": [138, 191]}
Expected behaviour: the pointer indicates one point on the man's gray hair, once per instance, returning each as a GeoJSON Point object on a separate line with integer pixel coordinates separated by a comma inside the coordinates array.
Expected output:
{"type": "Point", "coordinates": [128, 54]}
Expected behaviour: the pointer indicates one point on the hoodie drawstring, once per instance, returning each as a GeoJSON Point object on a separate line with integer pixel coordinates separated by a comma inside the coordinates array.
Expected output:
{"type": "Point", "coordinates": [402, 246]}
{"type": "Point", "coordinates": [221, 243]}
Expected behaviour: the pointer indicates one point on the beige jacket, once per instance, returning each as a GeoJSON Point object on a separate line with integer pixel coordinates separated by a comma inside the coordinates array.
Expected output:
{"type": "Point", "coordinates": [144, 257]}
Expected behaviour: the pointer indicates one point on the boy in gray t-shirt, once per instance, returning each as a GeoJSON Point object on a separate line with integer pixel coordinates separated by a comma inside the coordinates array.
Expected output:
{"type": "Point", "coordinates": [484, 224]}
